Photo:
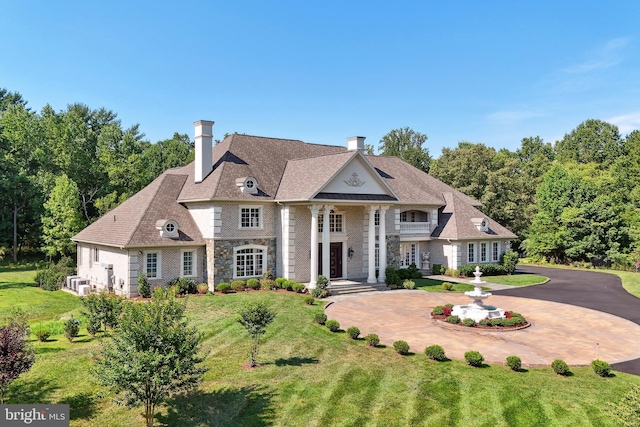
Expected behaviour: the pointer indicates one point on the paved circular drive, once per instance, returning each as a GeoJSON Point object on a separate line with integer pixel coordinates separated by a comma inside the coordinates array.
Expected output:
{"type": "Point", "coordinates": [559, 331]}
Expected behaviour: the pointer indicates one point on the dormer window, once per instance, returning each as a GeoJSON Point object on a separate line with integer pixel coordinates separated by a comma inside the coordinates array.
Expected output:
{"type": "Point", "coordinates": [167, 228]}
{"type": "Point", "coordinates": [247, 184]}
{"type": "Point", "coordinates": [481, 224]}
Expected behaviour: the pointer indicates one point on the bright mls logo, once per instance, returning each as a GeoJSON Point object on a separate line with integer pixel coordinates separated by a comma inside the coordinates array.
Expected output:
{"type": "Point", "coordinates": [34, 415]}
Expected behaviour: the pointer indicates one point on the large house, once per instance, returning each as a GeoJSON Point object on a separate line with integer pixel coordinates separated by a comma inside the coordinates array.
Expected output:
{"type": "Point", "coordinates": [251, 204]}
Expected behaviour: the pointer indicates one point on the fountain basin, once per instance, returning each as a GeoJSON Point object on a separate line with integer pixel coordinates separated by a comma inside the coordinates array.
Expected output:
{"type": "Point", "coordinates": [477, 312]}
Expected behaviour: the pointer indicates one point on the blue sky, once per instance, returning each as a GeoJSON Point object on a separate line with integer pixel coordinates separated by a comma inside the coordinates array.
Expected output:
{"type": "Point", "coordinates": [479, 71]}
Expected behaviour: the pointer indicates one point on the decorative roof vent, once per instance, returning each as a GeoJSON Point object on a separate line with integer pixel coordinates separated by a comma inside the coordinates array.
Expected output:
{"type": "Point", "coordinates": [168, 228]}
{"type": "Point", "coordinates": [247, 184]}
{"type": "Point", "coordinates": [481, 224]}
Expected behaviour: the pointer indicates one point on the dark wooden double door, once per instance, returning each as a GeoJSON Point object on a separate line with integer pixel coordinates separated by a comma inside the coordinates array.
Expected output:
{"type": "Point", "coordinates": [335, 260]}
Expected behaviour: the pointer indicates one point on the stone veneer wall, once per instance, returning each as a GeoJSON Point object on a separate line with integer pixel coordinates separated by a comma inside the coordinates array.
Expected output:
{"type": "Point", "coordinates": [223, 256]}
{"type": "Point", "coordinates": [393, 251]}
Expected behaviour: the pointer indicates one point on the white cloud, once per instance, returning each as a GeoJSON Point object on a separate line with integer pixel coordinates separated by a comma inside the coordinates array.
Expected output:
{"type": "Point", "coordinates": [626, 122]}
{"type": "Point", "coordinates": [602, 57]}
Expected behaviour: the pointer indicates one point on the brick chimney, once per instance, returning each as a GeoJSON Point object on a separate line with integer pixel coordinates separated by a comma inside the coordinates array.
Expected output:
{"type": "Point", "coordinates": [204, 141]}
{"type": "Point", "coordinates": [355, 143]}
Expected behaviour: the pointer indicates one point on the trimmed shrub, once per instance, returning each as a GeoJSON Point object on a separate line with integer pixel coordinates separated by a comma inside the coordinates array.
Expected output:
{"type": "Point", "coordinates": [309, 300]}
{"type": "Point", "coordinates": [452, 319]}
{"type": "Point", "coordinates": [93, 327]}
{"type": "Point", "coordinates": [288, 285]}
{"type": "Point", "coordinates": [449, 305]}
{"type": "Point", "coordinates": [486, 269]}
{"type": "Point", "coordinates": [437, 310]}
{"type": "Point", "coordinates": [438, 269]}
{"type": "Point", "coordinates": [71, 328]}
{"type": "Point", "coordinates": [474, 358]}
{"type": "Point", "coordinates": [401, 347]}
{"type": "Point", "coordinates": [280, 282]}
{"type": "Point", "coordinates": [514, 363]}
{"type": "Point", "coordinates": [42, 333]}
{"type": "Point", "coordinates": [267, 284]}
{"type": "Point", "coordinates": [353, 332]}
{"type": "Point", "coordinates": [435, 352]}
{"type": "Point", "coordinates": [144, 287]}
{"type": "Point", "coordinates": [332, 325]}
{"type": "Point", "coordinates": [372, 340]}
{"type": "Point", "coordinates": [237, 285]}
{"type": "Point", "coordinates": [320, 318]}
{"type": "Point", "coordinates": [322, 282]}
{"type": "Point", "coordinates": [413, 272]}
{"type": "Point", "coordinates": [183, 285]}
{"type": "Point", "coordinates": [392, 277]}
{"type": "Point", "coordinates": [298, 287]}
{"type": "Point", "coordinates": [409, 284]}
{"type": "Point", "coordinates": [253, 284]}
{"type": "Point", "coordinates": [446, 286]}
{"type": "Point", "coordinates": [223, 287]}
{"type": "Point", "coordinates": [509, 260]}
{"type": "Point", "coordinates": [601, 368]}
{"type": "Point", "coordinates": [317, 292]}
{"type": "Point", "coordinates": [560, 367]}
{"type": "Point", "coordinates": [485, 322]}
{"type": "Point", "coordinates": [202, 288]}
{"type": "Point", "coordinates": [469, 322]}
{"type": "Point", "coordinates": [496, 322]}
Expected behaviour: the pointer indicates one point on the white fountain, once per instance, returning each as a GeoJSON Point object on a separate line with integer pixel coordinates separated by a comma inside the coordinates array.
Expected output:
{"type": "Point", "coordinates": [476, 310]}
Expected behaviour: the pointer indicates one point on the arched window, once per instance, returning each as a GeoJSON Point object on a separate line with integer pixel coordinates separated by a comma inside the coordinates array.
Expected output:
{"type": "Point", "coordinates": [248, 261]}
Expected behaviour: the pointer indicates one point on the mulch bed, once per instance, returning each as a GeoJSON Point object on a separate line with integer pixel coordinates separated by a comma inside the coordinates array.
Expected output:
{"type": "Point", "coordinates": [441, 318]}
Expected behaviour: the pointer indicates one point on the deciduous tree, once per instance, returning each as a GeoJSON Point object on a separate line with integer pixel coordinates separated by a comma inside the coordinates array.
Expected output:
{"type": "Point", "coordinates": [16, 356]}
{"type": "Point", "coordinates": [255, 318]}
{"type": "Point", "coordinates": [406, 144]}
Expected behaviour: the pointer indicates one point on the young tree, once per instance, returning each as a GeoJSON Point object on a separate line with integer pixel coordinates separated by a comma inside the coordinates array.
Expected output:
{"type": "Point", "coordinates": [62, 218]}
{"type": "Point", "coordinates": [255, 318]}
{"type": "Point", "coordinates": [153, 354]}
{"type": "Point", "coordinates": [16, 356]}
{"type": "Point", "coordinates": [406, 144]}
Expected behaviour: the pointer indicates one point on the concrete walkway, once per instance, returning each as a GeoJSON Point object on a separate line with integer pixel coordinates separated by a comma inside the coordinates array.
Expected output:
{"type": "Point", "coordinates": [574, 333]}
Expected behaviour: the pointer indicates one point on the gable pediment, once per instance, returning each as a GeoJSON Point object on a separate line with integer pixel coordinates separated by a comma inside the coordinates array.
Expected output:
{"type": "Point", "coordinates": [357, 177]}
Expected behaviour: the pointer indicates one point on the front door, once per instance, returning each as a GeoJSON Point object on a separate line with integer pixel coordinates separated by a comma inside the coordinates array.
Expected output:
{"type": "Point", "coordinates": [335, 259]}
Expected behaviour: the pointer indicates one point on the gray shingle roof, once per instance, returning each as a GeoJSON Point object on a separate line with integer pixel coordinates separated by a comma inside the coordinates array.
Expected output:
{"type": "Point", "coordinates": [133, 223]}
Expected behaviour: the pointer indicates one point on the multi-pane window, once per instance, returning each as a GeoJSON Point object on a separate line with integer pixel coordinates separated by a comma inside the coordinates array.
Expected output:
{"type": "Point", "coordinates": [408, 253]}
{"type": "Point", "coordinates": [336, 221]}
{"type": "Point", "coordinates": [471, 252]}
{"type": "Point", "coordinates": [249, 262]}
{"type": "Point", "coordinates": [483, 252]}
{"type": "Point", "coordinates": [377, 255]}
{"type": "Point", "coordinates": [250, 217]}
{"type": "Point", "coordinates": [376, 217]}
{"type": "Point", "coordinates": [96, 255]}
{"type": "Point", "coordinates": [187, 263]}
{"type": "Point", "coordinates": [495, 250]}
{"type": "Point", "coordinates": [152, 264]}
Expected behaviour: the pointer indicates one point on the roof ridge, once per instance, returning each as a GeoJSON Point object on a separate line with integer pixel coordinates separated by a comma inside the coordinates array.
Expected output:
{"type": "Point", "coordinates": [144, 213]}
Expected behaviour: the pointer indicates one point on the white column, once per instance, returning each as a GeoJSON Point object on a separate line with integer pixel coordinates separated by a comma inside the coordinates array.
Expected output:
{"type": "Point", "coordinates": [326, 242]}
{"type": "Point", "coordinates": [382, 241]}
{"type": "Point", "coordinates": [372, 245]}
{"type": "Point", "coordinates": [314, 245]}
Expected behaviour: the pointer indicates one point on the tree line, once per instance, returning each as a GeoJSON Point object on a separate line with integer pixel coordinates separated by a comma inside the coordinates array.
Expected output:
{"type": "Point", "coordinates": [574, 201]}
{"type": "Point", "coordinates": [61, 170]}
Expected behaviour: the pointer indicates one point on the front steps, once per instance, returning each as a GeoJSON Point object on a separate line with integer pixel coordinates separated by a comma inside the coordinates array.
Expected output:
{"type": "Point", "coordinates": [343, 287]}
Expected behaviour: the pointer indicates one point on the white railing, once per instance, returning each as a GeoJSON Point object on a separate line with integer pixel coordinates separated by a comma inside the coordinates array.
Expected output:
{"type": "Point", "coordinates": [415, 227]}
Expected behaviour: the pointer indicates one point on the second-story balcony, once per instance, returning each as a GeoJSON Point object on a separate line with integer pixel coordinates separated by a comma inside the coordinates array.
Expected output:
{"type": "Point", "coordinates": [415, 228]}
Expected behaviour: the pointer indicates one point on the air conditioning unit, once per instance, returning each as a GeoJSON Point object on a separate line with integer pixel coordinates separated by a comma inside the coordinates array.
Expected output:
{"type": "Point", "coordinates": [84, 290]}
{"type": "Point", "coordinates": [70, 280]}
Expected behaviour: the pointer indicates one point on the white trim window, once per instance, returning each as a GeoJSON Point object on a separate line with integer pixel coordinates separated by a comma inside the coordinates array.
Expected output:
{"type": "Point", "coordinates": [152, 265]}
{"type": "Point", "coordinates": [336, 222]}
{"type": "Point", "coordinates": [471, 252]}
{"type": "Point", "coordinates": [376, 218]}
{"type": "Point", "coordinates": [377, 255]}
{"type": "Point", "coordinates": [250, 217]}
{"type": "Point", "coordinates": [409, 254]}
{"type": "Point", "coordinates": [495, 251]}
{"type": "Point", "coordinates": [96, 255]}
{"type": "Point", "coordinates": [483, 252]}
{"type": "Point", "coordinates": [248, 261]}
{"type": "Point", "coordinates": [189, 263]}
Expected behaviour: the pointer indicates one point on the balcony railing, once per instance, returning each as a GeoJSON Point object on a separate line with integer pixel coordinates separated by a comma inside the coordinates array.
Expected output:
{"type": "Point", "coordinates": [415, 227]}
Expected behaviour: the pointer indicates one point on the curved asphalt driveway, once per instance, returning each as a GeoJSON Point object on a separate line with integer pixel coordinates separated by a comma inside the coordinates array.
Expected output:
{"type": "Point", "coordinates": [598, 291]}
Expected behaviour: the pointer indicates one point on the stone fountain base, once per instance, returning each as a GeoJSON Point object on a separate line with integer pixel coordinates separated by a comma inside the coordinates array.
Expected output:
{"type": "Point", "coordinates": [477, 313]}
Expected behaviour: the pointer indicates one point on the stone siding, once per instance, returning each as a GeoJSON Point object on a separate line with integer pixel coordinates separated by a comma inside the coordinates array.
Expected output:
{"type": "Point", "coordinates": [223, 249]}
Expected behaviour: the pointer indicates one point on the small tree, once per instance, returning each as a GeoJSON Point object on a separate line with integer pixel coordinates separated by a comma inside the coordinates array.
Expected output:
{"type": "Point", "coordinates": [255, 318]}
{"type": "Point", "coordinates": [144, 287]}
{"type": "Point", "coordinates": [153, 355]}
{"type": "Point", "coordinates": [16, 356]}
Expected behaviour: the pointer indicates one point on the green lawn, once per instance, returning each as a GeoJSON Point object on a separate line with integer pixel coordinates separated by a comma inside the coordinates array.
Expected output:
{"type": "Point", "coordinates": [309, 377]}
{"type": "Point", "coordinates": [516, 279]}
{"type": "Point", "coordinates": [431, 285]}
